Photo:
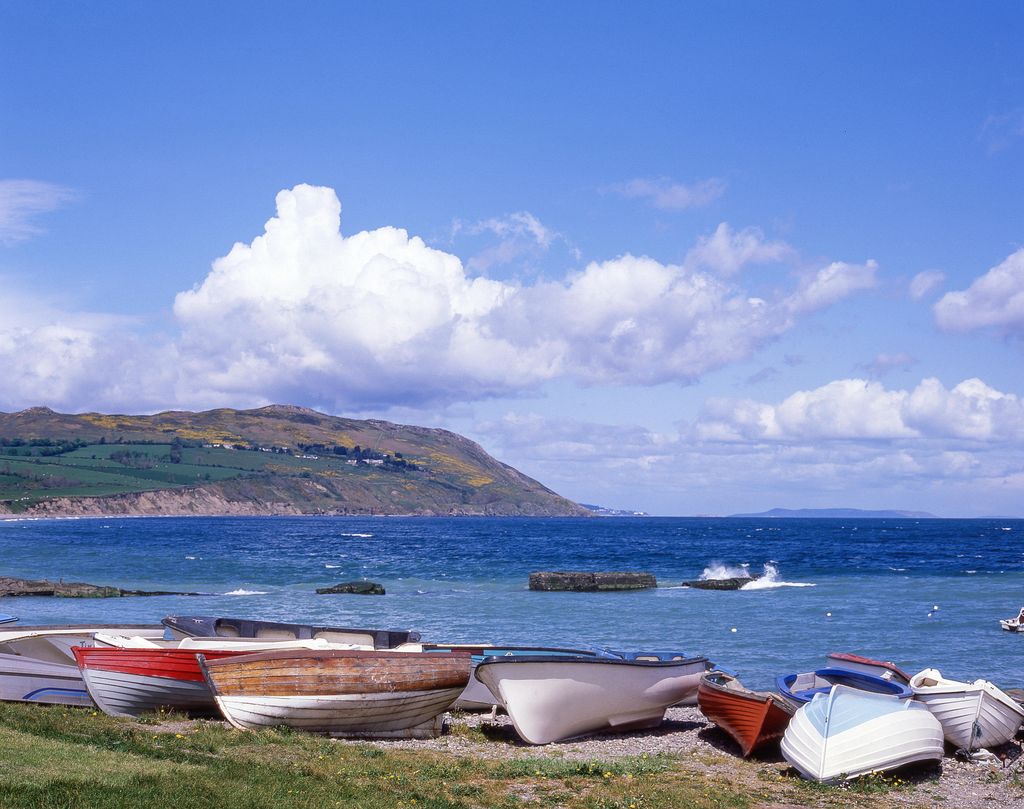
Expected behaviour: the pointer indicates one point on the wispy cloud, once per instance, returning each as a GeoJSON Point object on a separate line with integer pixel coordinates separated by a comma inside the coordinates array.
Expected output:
{"type": "Point", "coordinates": [995, 300]}
{"type": "Point", "coordinates": [999, 132]}
{"type": "Point", "coordinates": [727, 251]}
{"type": "Point", "coordinates": [924, 282]}
{"type": "Point", "coordinates": [21, 201]}
{"type": "Point", "coordinates": [519, 233]}
{"type": "Point", "coordinates": [884, 363]}
{"type": "Point", "coordinates": [668, 195]}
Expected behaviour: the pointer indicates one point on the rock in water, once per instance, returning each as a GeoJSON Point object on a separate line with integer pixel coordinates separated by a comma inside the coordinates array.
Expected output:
{"type": "Point", "coordinates": [363, 588]}
{"type": "Point", "coordinates": [591, 582]}
{"type": "Point", "coordinates": [72, 589]}
{"type": "Point", "coordinates": [734, 583]}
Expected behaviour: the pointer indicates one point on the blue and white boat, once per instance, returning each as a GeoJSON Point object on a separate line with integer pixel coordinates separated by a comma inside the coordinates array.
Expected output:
{"type": "Point", "coordinates": [799, 689]}
{"type": "Point", "coordinates": [846, 732]}
{"type": "Point", "coordinates": [7, 619]}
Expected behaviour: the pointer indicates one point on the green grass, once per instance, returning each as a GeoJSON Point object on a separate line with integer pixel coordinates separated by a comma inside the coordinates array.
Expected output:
{"type": "Point", "coordinates": [75, 759]}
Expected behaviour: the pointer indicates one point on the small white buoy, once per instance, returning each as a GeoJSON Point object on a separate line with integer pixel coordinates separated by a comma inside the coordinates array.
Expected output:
{"type": "Point", "coordinates": [733, 629]}
{"type": "Point", "coordinates": [935, 608]}
{"type": "Point", "coordinates": [930, 614]}
{"type": "Point", "coordinates": [828, 614]}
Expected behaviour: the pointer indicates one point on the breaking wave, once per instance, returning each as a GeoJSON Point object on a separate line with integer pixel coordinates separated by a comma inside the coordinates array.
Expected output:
{"type": "Point", "coordinates": [717, 570]}
{"type": "Point", "coordinates": [361, 536]}
{"type": "Point", "coordinates": [770, 580]}
{"type": "Point", "coordinates": [241, 592]}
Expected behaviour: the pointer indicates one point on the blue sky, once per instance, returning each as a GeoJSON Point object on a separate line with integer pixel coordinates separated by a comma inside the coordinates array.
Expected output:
{"type": "Point", "coordinates": [685, 258]}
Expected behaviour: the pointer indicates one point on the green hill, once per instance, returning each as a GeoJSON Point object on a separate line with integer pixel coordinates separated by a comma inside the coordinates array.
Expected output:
{"type": "Point", "coordinates": [273, 460]}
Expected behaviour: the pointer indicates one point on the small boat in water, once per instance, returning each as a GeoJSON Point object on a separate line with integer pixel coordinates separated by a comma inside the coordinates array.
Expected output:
{"type": "Point", "coordinates": [848, 732]}
{"type": "Point", "coordinates": [207, 626]}
{"type": "Point", "coordinates": [131, 676]}
{"type": "Point", "coordinates": [7, 619]}
{"type": "Point", "coordinates": [554, 698]}
{"type": "Point", "coordinates": [1015, 624]}
{"type": "Point", "coordinates": [885, 669]}
{"type": "Point", "coordinates": [799, 689]}
{"type": "Point", "coordinates": [372, 693]}
{"type": "Point", "coordinates": [753, 718]}
{"type": "Point", "coordinates": [37, 664]}
{"type": "Point", "coordinates": [972, 715]}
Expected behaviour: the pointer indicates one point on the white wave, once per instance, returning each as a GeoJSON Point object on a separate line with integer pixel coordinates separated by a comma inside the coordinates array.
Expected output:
{"type": "Point", "coordinates": [241, 592]}
{"type": "Point", "coordinates": [361, 536]}
{"type": "Point", "coordinates": [898, 569]}
{"type": "Point", "coordinates": [718, 570]}
{"type": "Point", "coordinates": [770, 580]}
{"type": "Point", "coordinates": [190, 557]}
{"type": "Point", "coordinates": [331, 566]}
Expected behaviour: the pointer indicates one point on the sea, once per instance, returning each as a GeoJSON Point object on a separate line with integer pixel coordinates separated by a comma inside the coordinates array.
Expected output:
{"type": "Point", "coordinates": [922, 593]}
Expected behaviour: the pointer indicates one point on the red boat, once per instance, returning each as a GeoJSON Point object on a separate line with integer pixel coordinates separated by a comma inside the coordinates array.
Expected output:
{"type": "Point", "coordinates": [885, 669]}
{"type": "Point", "coordinates": [752, 718]}
{"type": "Point", "coordinates": [128, 682]}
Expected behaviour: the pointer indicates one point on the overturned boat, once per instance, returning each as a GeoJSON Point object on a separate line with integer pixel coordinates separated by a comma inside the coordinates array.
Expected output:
{"type": "Point", "coordinates": [208, 626]}
{"type": "Point", "coordinates": [972, 715]}
{"type": "Point", "coordinates": [554, 698]}
{"type": "Point", "coordinates": [367, 693]}
{"type": "Point", "coordinates": [753, 719]}
{"type": "Point", "coordinates": [848, 732]}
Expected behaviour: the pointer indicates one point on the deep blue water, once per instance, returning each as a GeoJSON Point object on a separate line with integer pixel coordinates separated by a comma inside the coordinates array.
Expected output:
{"type": "Point", "coordinates": [465, 580]}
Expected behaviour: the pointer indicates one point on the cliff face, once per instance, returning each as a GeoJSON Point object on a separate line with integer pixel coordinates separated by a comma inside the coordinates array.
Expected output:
{"type": "Point", "coordinates": [274, 460]}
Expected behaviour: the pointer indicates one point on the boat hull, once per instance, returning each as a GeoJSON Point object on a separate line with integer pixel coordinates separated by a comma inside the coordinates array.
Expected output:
{"type": "Point", "coordinates": [340, 693]}
{"type": "Point", "coordinates": [129, 682]}
{"type": "Point", "coordinates": [37, 663]}
{"type": "Point", "coordinates": [550, 700]}
{"type": "Point", "coordinates": [847, 733]}
{"type": "Point", "coordinates": [182, 626]}
{"type": "Point", "coordinates": [754, 720]}
{"type": "Point", "coordinates": [972, 715]}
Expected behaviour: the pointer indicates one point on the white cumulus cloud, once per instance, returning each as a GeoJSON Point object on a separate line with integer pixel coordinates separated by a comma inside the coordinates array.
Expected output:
{"type": "Point", "coordinates": [727, 251]}
{"type": "Point", "coordinates": [995, 300]}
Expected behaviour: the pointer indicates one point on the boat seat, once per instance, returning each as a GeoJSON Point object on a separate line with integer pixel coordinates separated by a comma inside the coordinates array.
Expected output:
{"type": "Point", "coordinates": [810, 692]}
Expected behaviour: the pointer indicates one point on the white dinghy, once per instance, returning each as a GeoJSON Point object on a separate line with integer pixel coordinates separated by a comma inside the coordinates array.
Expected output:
{"type": "Point", "coordinates": [848, 732]}
{"type": "Point", "coordinates": [972, 715]}
{"type": "Point", "coordinates": [555, 698]}
{"type": "Point", "coordinates": [37, 664]}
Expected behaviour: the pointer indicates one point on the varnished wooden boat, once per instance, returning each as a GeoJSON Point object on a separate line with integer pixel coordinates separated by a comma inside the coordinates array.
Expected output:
{"type": "Point", "coordinates": [126, 676]}
{"type": "Point", "coordinates": [208, 626]}
{"type": "Point", "coordinates": [376, 693]}
{"type": "Point", "coordinates": [753, 718]}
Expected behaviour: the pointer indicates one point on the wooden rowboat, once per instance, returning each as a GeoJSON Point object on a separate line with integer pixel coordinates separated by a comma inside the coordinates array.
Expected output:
{"type": "Point", "coordinates": [753, 718]}
{"type": "Point", "coordinates": [375, 693]}
{"type": "Point", "coordinates": [885, 669]}
{"type": "Point", "coordinates": [973, 715]}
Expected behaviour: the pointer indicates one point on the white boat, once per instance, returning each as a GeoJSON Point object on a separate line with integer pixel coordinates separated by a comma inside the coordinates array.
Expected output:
{"type": "Point", "coordinates": [551, 698]}
{"type": "Point", "coordinates": [885, 669]}
{"type": "Point", "coordinates": [848, 732]}
{"type": "Point", "coordinates": [1015, 624]}
{"type": "Point", "coordinates": [37, 664]}
{"type": "Point", "coordinates": [972, 715]}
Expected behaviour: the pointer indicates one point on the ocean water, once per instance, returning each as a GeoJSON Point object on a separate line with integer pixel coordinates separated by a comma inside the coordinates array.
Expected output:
{"type": "Point", "coordinates": [919, 592]}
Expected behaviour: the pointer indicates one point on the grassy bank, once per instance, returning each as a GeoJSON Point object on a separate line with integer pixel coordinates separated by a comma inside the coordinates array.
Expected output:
{"type": "Point", "coordinates": [67, 757]}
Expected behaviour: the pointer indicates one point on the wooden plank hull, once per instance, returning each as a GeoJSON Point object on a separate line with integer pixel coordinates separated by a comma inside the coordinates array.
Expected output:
{"type": "Point", "coordinates": [339, 693]}
{"type": "Point", "coordinates": [551, 699]}
{"type": "Point", "coordinates": [751, 718]}
{"type": "Point", "coordinates": [129, 682]}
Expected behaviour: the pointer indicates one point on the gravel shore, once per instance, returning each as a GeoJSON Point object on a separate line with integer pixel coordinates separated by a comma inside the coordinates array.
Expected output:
{"type": "Point", "coordinates": [702, 747]}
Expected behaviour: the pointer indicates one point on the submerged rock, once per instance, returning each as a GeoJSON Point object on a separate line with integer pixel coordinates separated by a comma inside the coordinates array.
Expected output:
{"type": "Point", "coordinates": [591, 582]}
{"type": "Point", "coordinates": [734, 583]}
{"type": "Point", "coordinates": [363, 588]}
{"type": "Point", "coordinates": [73, 589]}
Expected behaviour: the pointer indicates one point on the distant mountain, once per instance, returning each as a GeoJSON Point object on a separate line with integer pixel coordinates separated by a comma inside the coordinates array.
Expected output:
{"type": "Point", "coordinates": [273, 460]}
{"type": "Point", "coordinates": [844, 513]}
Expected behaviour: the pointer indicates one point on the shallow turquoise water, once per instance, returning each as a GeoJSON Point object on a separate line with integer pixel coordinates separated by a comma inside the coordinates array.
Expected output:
{"type": "Point", "coordinates": [465, 580]}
